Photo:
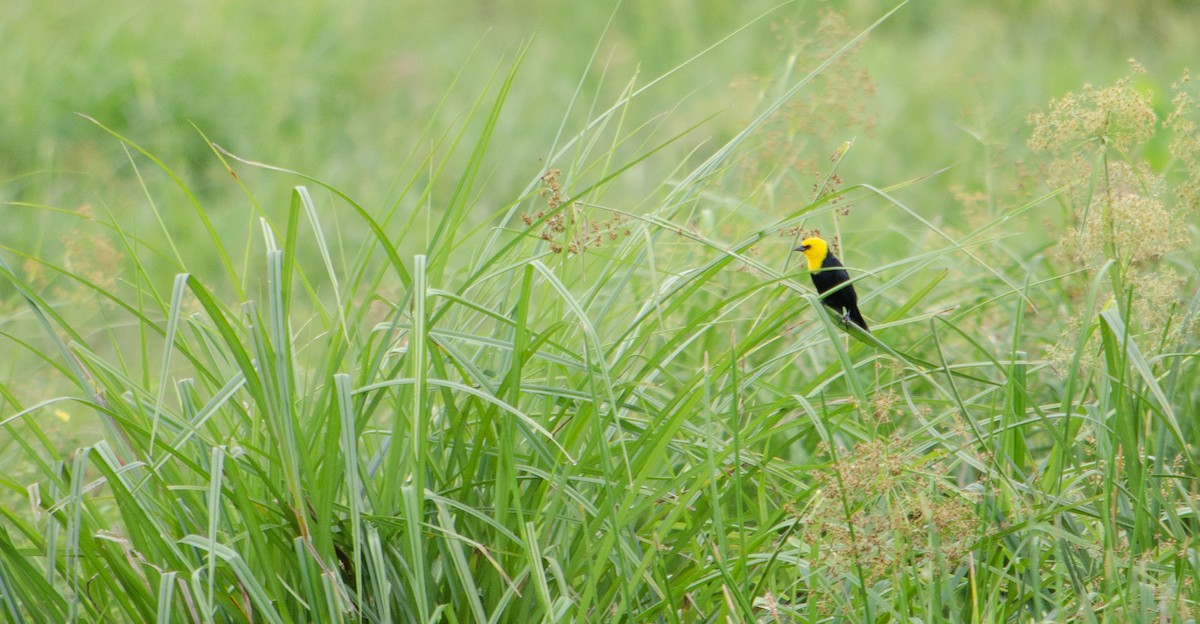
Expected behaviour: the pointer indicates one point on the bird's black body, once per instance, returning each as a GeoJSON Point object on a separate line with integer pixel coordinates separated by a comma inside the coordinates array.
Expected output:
{"type": "Point", "coordinates": [832, 281]}
{"type": "Point", "coordinates": [843, 300]}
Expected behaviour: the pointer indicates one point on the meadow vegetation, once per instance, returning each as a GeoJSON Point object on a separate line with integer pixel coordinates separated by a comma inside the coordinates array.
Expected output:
{"type": "Point", "coordinates": [370, 314]}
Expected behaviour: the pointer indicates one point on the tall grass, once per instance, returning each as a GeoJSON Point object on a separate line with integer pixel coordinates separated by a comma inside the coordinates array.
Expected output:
{"type": "Point", "coordinates": [586, 409]}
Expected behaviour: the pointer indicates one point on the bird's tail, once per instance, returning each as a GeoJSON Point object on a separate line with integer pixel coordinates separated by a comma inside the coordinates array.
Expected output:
{"type": "Point", "coordinates": [856, 317]}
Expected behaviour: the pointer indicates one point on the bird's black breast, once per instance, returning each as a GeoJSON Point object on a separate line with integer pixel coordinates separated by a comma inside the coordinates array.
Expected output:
{"type": "Point", "coordinates": [844, 300]}
{"type": "Point", "coordinates": [831, 274]}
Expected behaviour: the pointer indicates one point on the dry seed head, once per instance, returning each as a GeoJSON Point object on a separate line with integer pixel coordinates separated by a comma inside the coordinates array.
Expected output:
{"type": "Point", "coordinates": [552, 190]}
{"type": "Point", "coordinates": [1185, 144]}
{"type": "Point", "coordinates": [883, 406]}
{"type": "Point", "coordinates": [797, 139]}
{"type": "Point", "coordinates": [90, 254]}
{"type": "Point", "coordinates": [1128, 212]}
{"type": "Point", "coordinates": [571, 229]}
{"type": "Point", "coordinates": [1156, 303]}
{"type": "Point", "coordinates": [35, 272]}
{"type": "Point", "coordinates": [891, 519]}
{"type": "Point", "coordinates": [1118, 116]}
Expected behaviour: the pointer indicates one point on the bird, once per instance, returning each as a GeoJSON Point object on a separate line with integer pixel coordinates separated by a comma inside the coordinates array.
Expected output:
{"type": "Point", "coordinates": [828, 273]}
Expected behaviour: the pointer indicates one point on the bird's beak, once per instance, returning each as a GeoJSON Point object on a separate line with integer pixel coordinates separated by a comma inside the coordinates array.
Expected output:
{"type": "Point", "coordinates": [801, 248]}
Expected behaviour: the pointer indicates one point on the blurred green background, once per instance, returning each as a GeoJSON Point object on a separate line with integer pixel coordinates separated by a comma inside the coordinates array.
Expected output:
{"type": "Point", "coordinates": [344, 91]}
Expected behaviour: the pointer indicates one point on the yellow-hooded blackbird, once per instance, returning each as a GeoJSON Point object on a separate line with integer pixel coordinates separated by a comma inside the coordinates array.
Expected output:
{"type": "Point", "coordinates": [828, 273]}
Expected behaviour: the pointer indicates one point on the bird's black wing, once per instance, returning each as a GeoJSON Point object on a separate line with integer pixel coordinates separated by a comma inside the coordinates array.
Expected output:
{"type": "Point", "coordinates": [844, 300]}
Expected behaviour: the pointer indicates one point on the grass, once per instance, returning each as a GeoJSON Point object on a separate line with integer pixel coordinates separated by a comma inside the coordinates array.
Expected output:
{"type": "Point", "coordinates": [604, 391]}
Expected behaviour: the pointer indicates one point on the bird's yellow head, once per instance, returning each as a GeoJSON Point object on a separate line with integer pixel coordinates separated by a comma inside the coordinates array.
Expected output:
{"type": "Point", "coordinates": [814, 250]}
